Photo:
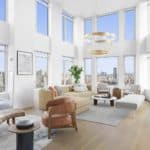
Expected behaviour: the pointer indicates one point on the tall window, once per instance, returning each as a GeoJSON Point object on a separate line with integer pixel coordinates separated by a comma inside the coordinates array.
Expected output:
{"type": "Point", "coordinates": [42, 16]}
{"type": "Point", "coordinates": [130, 24]}
{"type": "Point", "coordinates": [129, 70]}
{"type": "Point", "coordinates": [41, 68]}
{"type": "Point", "coordinates": [107, 70]}
{"type": "Point", "coordinates": [109, 23]}
{"type": "Point", "coordinates": [2, 10]}
{"type": "Point", "coordinates": [88, 70]}
{"type": "Point", "coordinates": [67, 63]}
{"type": "Point", "coordinates": [67, 28]}
{"type": "Point", "coordinates": [2, 69]}
{"type": "Point", "coordinates": [148, 17]}
{"type": "Point", "coordinates": [88, 25]}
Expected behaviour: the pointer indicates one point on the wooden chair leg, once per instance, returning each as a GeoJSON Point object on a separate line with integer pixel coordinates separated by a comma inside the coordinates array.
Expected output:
{"type": "Point", "coordinates": [8, 122]}
{"type": "Point", "coordinates": [49, 125]}
{"type": "Point", "coordinates": [74, 122]}
{"type": "Point", "coordinates": [49, 133]}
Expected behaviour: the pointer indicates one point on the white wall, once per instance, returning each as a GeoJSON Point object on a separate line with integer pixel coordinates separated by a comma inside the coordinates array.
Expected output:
{"type": "Point", "coordinates": [4, 32]}
{"type": "Point", "coordinates": [23, 36]}
{"type": "Point", "coordinates": [141, 34]}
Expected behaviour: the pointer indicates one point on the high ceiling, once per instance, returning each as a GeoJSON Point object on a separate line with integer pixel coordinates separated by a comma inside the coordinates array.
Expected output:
{"type": "Point", "coordinates": [86, 8]}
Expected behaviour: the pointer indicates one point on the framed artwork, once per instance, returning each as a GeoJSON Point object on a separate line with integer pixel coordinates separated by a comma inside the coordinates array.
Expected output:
{"type": "Point", "coordinates": [24, 63]}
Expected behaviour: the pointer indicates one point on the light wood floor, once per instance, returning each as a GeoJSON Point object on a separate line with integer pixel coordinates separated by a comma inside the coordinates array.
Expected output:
{"type": "Point", "coordinates": [133, 133]}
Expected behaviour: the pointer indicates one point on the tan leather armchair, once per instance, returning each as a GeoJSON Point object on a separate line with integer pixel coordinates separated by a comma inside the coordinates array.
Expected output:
{"type": "Point", "coordinates": [61, 113]}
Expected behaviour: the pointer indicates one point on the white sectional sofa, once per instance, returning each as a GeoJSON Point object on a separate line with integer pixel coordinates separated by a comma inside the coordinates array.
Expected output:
{"type": "Point", "coordinates": [131, 101]}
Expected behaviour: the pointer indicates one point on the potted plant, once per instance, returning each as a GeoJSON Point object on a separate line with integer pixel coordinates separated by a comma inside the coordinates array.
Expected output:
{"type": "Point", "coordinates": [76, 73]}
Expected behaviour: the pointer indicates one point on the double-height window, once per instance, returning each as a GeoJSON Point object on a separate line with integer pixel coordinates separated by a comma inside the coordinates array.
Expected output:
{"type": "Point", "coordinates": [2, 10]}
{"type": "Point", "coordinates": [109, 23]}
{"type": "Point", "coordinates": [2, 68]}
{"type": "Point", "coordinates": [130, 18]}
{"type": "Point", "coordinates": [41, 68]}
{"type": "Point", "coordinates": [42, 17]}
{"type": "Point", "coordinates": [67, 63]}
{"type": "Point", "coordinates": [88, 25]}
{"type": "Point", "coordinates": [107, 70]}
{"type": "Point", "coordinates": [129, 77]}
{"type": "Point", "coordinates": [67, 28]}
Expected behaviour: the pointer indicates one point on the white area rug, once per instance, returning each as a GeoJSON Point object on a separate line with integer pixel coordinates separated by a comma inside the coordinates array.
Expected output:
{"type": "Point", "coordinates": [104, 114]}
{"type": "Point", "coordinates": [8, 140]}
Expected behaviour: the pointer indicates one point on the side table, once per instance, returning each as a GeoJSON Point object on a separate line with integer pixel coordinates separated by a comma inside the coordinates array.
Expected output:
{"type": "Point", "coordinates": [24, 137]}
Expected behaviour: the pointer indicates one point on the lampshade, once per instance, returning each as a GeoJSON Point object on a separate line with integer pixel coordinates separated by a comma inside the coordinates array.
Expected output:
{"type": "Point", "coordinates": [99, 43]}
{"type": "Point", "coordinates": [99, 37]}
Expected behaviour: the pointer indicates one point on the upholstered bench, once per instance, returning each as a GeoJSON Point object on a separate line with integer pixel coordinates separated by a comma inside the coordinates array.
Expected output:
{"type": "Point", "coordinates": [131, 101]}
{"type": "Point", "coordinates": [6, 115]}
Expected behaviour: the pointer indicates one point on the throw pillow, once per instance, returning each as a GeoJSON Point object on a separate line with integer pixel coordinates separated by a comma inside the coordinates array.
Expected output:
{"type": "Point", "coordinates": [59, 90]}
{"type": "Point", "coordinates": [53, 91]}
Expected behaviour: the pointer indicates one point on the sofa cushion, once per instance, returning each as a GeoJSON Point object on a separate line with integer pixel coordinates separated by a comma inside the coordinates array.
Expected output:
{"type": "Point", "coordinates": [79, 94]}
{"type": "Point", "coordinates": [80, 88]}
{"type": "Point", "coordinates": [131, 101]}
{"type": "Point", "coordinates": [81, 101]}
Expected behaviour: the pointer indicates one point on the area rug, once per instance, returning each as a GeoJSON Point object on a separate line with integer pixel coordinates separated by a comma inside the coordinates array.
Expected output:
{"type": "Point", "coordinates": [104, 114]}
{"type": "Point", "coordinates": [8, 140]}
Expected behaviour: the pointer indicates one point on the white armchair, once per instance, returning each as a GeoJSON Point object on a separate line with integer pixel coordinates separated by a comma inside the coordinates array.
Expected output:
{"type": "Point", "coordinates": [103, 88]}
{"type": "Point", "coordinates": [132, 89]}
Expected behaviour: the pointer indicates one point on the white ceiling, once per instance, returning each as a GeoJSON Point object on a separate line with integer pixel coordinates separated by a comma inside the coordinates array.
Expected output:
{"type": "Point", "coordinates": [86, 8]}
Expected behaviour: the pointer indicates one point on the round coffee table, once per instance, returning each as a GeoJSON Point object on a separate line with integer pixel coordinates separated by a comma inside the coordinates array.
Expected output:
{"type": "Point", "coordinates": [97, 98]}
{"type": "Point", "coordinates": [24, 137]}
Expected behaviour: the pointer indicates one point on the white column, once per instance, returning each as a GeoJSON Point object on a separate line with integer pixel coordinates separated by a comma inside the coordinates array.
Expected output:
{"type": "Point", "coordinates": [121, 71]}
{"type": "Point", "coordinates": [94, 23]}
{"type": "Point", "coordinates": [94, 75]}
{"type": "Point", "coordinates": [141, 33]}
{"type": "Point", "coordinates": [121, 57]}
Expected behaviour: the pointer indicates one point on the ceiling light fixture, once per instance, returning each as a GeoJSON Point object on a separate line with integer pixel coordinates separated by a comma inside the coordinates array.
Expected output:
{"type": "Point", "coordinates": [99, 43]}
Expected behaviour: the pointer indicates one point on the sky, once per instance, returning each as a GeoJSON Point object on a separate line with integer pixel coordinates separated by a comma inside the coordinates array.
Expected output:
{"type": "Point", "coordinates": [42, 18]}
{"type": "Point", "coordinates": [41, 63]}
{"type": "Point", "coordinates": [106, 64]}
{"type": "Point", "coordinates": [109, 23]}
{"type": "Point", "coordinates": [2, 9]}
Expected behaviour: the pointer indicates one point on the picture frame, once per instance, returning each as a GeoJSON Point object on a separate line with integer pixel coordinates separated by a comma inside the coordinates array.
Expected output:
{"type": "Point", "coordinates": [24, 63]}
